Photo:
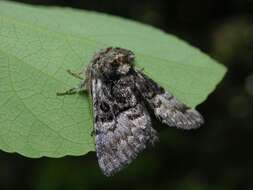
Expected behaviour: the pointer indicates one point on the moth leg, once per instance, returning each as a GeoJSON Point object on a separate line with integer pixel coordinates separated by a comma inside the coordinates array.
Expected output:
{"type": "Point", "coordinates": [93, 133]}
{"type": "Point", "coordinates": [78, 89]}
{"type": "Point", "coordinates": [76, 75]}
{"type": "Point", "coordinates": [142, 69]}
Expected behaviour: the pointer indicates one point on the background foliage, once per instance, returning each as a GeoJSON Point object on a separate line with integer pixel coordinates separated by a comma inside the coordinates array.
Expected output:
{"type": "Point", "coordinates": [218, 156]}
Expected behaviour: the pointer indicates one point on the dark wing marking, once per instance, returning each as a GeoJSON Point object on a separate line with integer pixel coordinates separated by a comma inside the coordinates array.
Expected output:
{"type": "Point", "coordinates": [122, 126]}
{"type": "Point", "coordinates": [165, 106]}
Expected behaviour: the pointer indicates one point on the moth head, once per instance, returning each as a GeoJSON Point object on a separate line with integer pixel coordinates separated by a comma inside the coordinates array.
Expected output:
{"type": "Point", "coordinates": [115, 61]}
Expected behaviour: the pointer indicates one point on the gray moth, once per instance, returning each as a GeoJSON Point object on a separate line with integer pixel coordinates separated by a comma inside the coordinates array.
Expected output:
{"type": "Point", "coordinates": [122, 99]}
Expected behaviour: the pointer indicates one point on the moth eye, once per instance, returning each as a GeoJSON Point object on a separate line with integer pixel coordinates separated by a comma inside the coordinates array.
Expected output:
{"type": "Point", "coordinates": [104, 107]}
{"type": "Point", "coordinates": [114, 65]}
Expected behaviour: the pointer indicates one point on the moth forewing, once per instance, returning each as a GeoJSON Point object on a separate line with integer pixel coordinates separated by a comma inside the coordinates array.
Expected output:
{"type": "Point", "coordinates": [165, 106]}
{"type": "Point", "coordinates": [119, 95]}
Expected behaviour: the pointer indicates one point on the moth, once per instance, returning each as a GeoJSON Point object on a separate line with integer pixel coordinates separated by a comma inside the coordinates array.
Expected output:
{"type": "Point", "coordinates": [122, 101]}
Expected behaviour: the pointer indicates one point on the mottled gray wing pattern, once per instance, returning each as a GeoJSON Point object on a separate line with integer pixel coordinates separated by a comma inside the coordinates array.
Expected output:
{"type": "Point", "coordinates": [165, 106]}
{"type": "Point", "coordinates": [122, 125]}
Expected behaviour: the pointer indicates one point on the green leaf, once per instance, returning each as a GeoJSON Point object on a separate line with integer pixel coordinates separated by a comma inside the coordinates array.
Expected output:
{"type": "Point", "coordinates": [38, 45]}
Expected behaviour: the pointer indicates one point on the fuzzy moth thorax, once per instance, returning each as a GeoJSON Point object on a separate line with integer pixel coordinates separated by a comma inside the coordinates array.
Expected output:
{"type": "Point", "coordinates": [113, 62]}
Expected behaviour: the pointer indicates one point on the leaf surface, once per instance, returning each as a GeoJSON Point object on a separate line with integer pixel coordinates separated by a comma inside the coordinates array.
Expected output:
{"type": "Point", "coordinates": [38, 45]}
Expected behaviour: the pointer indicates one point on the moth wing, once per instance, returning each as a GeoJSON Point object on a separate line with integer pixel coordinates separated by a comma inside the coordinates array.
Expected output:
{"type": "Point", "coordinates": [165, 106]}
{"type": "Point", "coordinates": [119, 137]}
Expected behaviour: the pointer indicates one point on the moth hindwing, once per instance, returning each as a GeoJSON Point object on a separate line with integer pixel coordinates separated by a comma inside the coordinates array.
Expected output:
{"type": "Point", "coordinates": [121, 99]}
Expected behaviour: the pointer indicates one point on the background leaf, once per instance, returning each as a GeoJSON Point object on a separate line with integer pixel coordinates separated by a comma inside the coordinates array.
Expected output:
{"type": "Point", "coordinates": [38, 45]}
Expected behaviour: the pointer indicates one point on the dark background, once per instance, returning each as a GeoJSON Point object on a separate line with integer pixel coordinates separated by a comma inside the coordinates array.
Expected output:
{"type": "Point", "coordinates": [218, 156]}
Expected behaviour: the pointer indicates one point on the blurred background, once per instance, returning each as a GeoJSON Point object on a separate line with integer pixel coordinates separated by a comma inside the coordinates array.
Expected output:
{"type": "Point", "coordinates": [218, 156]}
